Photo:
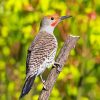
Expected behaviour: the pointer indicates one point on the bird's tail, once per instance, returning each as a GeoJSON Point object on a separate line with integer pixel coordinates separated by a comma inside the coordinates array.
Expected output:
{"type": "Point", "coordinates": [27, 86]}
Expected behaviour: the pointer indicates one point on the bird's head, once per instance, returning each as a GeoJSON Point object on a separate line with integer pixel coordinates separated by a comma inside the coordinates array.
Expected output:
{"type": "Point", "coordinates": [48, 23]}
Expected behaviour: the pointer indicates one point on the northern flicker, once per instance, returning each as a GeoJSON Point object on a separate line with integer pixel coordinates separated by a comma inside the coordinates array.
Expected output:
{"type": "Point", "coordinates": [42, 51]}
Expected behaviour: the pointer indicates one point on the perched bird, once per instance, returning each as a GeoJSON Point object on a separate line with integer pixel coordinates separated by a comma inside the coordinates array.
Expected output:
{"type": "Point", "coordinates": [42, 51]}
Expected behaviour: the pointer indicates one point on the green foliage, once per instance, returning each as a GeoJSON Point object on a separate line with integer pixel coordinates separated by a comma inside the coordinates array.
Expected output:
{"type": "Point", "coordinates": [19, 24]}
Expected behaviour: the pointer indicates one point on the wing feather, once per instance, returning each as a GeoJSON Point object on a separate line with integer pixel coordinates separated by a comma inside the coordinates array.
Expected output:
{"type": "Point", "coordinates": [39, 50]}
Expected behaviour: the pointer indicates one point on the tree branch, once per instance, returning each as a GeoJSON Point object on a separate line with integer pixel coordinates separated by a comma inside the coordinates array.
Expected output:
{"type": "Point", "coordinates": [61, 59]}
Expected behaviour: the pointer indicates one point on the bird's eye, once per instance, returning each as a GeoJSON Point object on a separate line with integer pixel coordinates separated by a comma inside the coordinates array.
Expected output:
{"type": "Point", "coordinates": [52, 18]}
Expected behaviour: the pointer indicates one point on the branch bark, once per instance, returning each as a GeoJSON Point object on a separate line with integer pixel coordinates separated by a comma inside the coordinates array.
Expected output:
{"type": "Point", "coordinates": [61, 59]}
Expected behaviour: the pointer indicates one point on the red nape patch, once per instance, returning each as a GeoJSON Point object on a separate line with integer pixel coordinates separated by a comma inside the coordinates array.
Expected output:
{"type": "Point", "coordinates": [53, 24]}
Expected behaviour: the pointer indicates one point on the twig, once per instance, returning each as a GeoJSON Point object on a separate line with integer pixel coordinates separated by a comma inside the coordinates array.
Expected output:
{"type": "Point", "coordinates": [61, 59]}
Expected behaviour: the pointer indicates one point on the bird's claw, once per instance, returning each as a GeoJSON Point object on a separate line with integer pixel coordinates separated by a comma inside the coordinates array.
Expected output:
{"type": "Point", "coordinates": [45, 87]}
{"type": "Point", "coordinates": [58, 66]}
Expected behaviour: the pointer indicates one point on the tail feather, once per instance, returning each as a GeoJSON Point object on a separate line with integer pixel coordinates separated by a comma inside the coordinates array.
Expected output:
{"type": "Point", "coordinates": [27, 86]}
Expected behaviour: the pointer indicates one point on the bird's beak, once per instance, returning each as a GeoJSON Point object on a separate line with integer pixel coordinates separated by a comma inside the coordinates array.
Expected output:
{"type": "Point", "coordinates": [64, 17]}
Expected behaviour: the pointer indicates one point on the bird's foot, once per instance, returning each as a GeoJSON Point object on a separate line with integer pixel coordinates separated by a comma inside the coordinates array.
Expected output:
{"type": "Point", "coordinates": [43, 81]}
{"type": "Point", "coordinates": [58, 66]}
{"type": "Point", "coordinates": [44, 86]}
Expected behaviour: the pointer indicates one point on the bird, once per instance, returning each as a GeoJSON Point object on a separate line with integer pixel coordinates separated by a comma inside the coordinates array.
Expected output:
{"type": "Point", "coordinates": [41, 53]}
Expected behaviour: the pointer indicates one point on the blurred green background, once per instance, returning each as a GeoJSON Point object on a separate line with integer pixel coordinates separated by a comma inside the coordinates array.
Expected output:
{"type": "Point", "coordinates": [19, 24]}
